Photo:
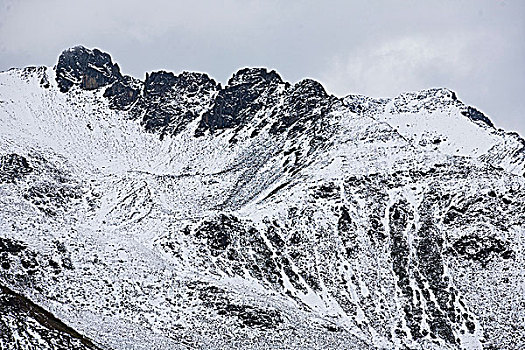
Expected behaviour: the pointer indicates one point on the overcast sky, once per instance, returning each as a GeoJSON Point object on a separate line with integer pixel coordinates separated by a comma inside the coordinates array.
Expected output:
{"type": "Point", "coordinates": [377, 48]}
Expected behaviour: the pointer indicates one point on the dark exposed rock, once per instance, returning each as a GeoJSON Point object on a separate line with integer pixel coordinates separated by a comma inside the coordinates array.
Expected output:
{"type": "Point", "coordinates": [51, 197]}
{"type": "Point", "coordinates": [93, 69]}
{"type": "Point", "coordinates": [274, 237]}
{"type": "Point", "coordinates": [248, 91]}
{"type": "Point", "coordinates": [400, 216]}
{"type": "Point", "coordinates": [242, 250]}
{"type": "Point", "coordinates": [430, 271]}
{"type": "Point", "coordinates": [11, 246]}
{"type": "Point", "coordinates": [364, 105]}
{"type": "Point", "coordinates": [326, 191]}
{"type": "Point", "coordinates": [29, 261]}
{"type": "Point", "coordinates": [347, 230]}
{"type": "Point", "coordinates": [159, 83]}
{"type": "Point", "coordinates": [44, 81]}
{"type": "Point", "coordinates": [169, 102]}
{"type": "Point", "coordinates": [249, 315]}
{"type": "Point", "coordinates": [481, 249]}
{"type": "Point", "coordinates": [13, 167]}
{"type": "Point", "coordinates": [305, 101]}
{"type": "Point", "coordinates": [217, 232]}
{"type": "Point", "coordinates": [252, 316]}
{"type": "Point", "coordinates": [431, 264]}
{"type": "Point", "coordinates": [475, 115]}
{"type": "Point", "coordinates": [254, 76]}
{"type": "Point", "coordinates": [88, 69]}
{"type": "Point", "coordinates": [122, 93]}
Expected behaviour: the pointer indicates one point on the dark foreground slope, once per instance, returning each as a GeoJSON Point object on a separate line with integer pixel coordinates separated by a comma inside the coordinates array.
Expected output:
{"type": "Point", "coordinates": [25, 325]}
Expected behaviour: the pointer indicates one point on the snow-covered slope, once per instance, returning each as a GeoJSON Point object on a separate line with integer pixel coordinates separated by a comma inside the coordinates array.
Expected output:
{"type": "Point", "coordinates": [177, 213]}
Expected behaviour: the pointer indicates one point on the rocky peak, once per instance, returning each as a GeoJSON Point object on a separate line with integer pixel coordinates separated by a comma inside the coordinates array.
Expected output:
{"type": "Point", "coordinates": [307, 89]}
{"type": "Point", "coordinates": [170, 102]}
{"type": "Point", "coordinates": [428, 99]}
{"type": "Point", "coordinates": [248, 91]}
{"type": "Point", "coordinates": [252, 76]}
{"type": "Point", "coordinates": [161, 82]}
{"type": "Point", "coordinates": [192, 82]}
{"type": "Point", "coordinates": [365, 105]}
{"type": "Point", "coordinates": [158, 83]}
{"type": "Point", "coordinates": [305, 101]}
{"type": "Point", "coordinates": [435, 100]}
{"type": "Point", "coordinates": [93, 69]}
{"type": "Point", "coordinates": [89, 69]}
{"type": "Point", "coordinates": [442, 94]}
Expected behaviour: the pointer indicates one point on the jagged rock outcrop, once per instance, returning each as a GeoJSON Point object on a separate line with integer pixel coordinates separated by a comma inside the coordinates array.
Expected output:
{"type": "Point", "coordinates": [123, 93]}
{"type": "Point", "coordinates": [94, 69]}
{"type": "Point", "coordinates": [305, 101]}
{"type": "Point", "coordinates": [248, 91]}
{"type": "Point", "coordinates": [169, 102]}
{"type": "Point", "coordinates": [88, 69]}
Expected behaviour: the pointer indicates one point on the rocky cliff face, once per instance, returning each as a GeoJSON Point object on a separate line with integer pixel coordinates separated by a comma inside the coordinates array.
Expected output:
{"type": "Point", "coordinates": [88, 69]}
{"type": "Point", "coordinates": [177, 213]}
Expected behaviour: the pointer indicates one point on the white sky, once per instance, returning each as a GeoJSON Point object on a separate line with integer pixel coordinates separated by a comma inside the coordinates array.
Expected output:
{"type": "Point", "coordinates": [372, 47]}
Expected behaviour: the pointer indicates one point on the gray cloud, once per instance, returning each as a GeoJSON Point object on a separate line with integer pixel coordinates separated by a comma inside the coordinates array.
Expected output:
{"type": "Point", "coordinates": [378, 48]}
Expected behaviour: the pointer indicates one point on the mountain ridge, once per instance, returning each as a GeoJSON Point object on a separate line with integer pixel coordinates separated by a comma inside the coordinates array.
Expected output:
{"type": "Point", "coordinates": [258, 214]}
{"type": "Point", "coordinates": [86, 59]}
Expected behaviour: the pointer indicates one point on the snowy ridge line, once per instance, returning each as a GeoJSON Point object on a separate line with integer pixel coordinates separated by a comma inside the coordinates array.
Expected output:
{"type": "Point", "coordinates": [178, 213]}
{"type": "Point", "coordinates": [164, 102]}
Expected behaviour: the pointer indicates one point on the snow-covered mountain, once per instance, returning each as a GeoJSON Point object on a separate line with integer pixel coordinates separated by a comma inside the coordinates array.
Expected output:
{"type": "Point", "coordinates": [176, 213]}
